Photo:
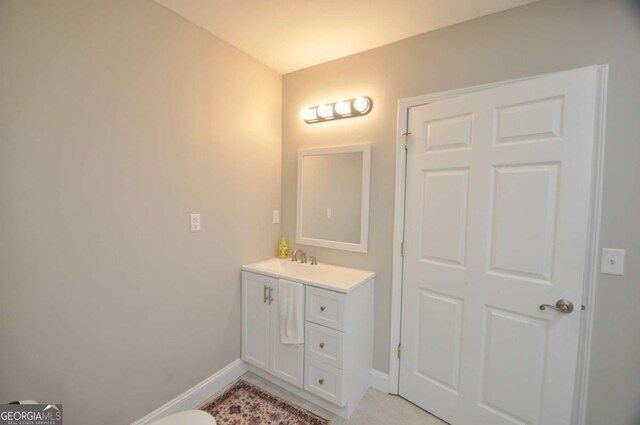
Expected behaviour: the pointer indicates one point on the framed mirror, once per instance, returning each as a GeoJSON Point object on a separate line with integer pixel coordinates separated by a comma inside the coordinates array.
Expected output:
{"type": "Point", "coordinates": [333, 197]}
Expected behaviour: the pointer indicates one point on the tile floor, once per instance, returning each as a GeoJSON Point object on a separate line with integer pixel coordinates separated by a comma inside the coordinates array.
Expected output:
{"type": "Point", "coordinates": [376, 408]}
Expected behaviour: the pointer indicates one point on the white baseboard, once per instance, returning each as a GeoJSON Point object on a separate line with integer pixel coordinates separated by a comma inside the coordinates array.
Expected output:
{"type": "Point", "coordinates": [195, 396]}
{"type": "Point", "coordinates": [380, 381]}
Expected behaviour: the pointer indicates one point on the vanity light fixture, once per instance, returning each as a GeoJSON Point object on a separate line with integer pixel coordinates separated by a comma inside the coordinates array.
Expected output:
{"type": "Point", "coordinates": [336, 110]}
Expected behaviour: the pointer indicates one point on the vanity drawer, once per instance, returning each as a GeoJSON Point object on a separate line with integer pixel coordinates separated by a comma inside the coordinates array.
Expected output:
{"type": "Point", "coordinates": [324, 381]}
{"type": "Point", "coordinates": [324, 344]}
{"type": "Point", "coordinates": [325, 307]}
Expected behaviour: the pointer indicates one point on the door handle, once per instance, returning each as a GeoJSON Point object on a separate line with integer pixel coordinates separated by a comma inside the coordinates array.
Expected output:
{"type": "Point", "coordinates": [270, 297]}
{"type": "Point", "coordinates": [266, 298]}
{"type": "Point", "coordinates": [563, 306]}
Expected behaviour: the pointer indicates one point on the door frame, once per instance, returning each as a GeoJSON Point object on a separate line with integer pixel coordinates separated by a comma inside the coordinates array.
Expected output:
{"type": "Point", "coordinates": [593, 242]}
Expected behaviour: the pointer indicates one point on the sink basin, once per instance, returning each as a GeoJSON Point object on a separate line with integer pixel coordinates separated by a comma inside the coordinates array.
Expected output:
{"type": "Point", "coordinates": [335, 278]}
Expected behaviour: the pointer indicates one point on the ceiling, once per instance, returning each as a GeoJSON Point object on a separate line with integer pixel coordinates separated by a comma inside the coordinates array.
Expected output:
{"type": "Point", "coordinates": [287, 35]}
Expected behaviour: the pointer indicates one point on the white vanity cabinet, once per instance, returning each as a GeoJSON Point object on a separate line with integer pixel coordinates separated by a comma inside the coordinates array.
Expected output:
{"type": "Point", "coordinates": [333, 367]}
{"type": "Point", "coordinates": [261, 346]}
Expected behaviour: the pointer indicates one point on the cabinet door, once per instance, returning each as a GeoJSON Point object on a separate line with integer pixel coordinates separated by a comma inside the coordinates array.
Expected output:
{"type": "Point", "coordinates": [287, 361]}
{"type": "Point", "coordinates": [255, 320]}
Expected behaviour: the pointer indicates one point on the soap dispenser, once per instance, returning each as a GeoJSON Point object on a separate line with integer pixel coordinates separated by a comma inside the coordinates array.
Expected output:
{"type": "Point", "coordinates": [283, 248]}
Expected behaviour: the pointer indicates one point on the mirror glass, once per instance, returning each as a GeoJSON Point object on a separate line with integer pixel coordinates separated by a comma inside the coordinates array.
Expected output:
{"type": "Point", "coordinates": [333, 197]}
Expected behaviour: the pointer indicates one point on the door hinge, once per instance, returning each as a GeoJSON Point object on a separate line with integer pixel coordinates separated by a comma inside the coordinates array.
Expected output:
{"type": "Point", "coordinates": [399, 350]}
{"type": "Point", "coordinates": [402, 249]}
{"type": "Point", "coordinates": [406, 140]}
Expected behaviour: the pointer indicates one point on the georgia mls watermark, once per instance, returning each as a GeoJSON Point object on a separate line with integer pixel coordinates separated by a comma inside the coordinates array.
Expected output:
{"type": "Point", "coordinates": [30, 414]}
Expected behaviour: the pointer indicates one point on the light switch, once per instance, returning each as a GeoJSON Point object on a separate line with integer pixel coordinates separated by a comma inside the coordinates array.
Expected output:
{"type": "Point", "coordinates": [276, 216]}
{"type": "Point", "coordinates": [329, 213]}
{"type": "Point", "coordinates": [194, 219]}
{"type": "Point", "coordinates": [612, 261]}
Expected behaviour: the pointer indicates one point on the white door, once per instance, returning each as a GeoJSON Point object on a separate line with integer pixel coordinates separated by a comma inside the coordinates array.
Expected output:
{"type": "Point", "coordinates": [286, 360]}
{"type": "Point", "coordinates": [255, 320]}
{"type": "Point", "coordinates": [497, 208]}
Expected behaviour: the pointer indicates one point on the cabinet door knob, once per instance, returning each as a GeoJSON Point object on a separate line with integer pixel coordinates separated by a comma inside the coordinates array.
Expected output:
{"type": "Point", "coordinates": [322, 308]}
{"type": "Point", "coordinates": [322, 345]}
{"type": "Point", "coordinates": [321, 381]}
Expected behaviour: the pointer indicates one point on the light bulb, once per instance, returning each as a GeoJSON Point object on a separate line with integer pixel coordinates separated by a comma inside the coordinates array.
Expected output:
{"type": "Point", "coordinates": [343, 108]}
{"type": "Point", "coordinates": [309, 114]}
{"type": "Point", "coordinates": [361, 104]}
{"type": "Point", "coordinates": [325, 111]}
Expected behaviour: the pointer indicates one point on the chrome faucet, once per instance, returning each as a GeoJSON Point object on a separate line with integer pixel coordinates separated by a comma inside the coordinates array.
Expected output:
{"type": "Point", "coordinates": [303, 256]}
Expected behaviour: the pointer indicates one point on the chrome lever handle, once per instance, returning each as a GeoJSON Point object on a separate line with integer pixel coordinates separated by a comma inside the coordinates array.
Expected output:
{"type": "Point", "coordinates": [562, 306]}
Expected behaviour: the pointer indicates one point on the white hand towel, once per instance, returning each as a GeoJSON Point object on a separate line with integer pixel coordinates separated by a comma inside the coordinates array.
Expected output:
{"type": "Point", "coordinates": [291, 309]}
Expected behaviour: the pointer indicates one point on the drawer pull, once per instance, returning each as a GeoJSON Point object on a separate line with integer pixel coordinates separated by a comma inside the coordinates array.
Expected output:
{"type": "Point", "coordinates": [321, 381]}
{"type": "Point", "coordinates": [323, 308]}
{"type": "Point", "coordinates": [322, 345]}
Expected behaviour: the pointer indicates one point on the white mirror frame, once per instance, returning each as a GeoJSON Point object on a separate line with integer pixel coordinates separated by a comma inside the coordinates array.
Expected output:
{"type": "Point", "coordinates": [362, 246]}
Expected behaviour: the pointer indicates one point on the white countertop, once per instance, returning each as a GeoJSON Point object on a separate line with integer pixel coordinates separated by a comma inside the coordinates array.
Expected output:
{"type": "Point", "coordinates": [334, 278]}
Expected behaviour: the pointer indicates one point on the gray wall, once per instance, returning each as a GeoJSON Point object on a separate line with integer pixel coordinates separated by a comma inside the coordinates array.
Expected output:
{"type": "Point", "coordinates": [543, 37]}
{"type": "Point", "coordinates": [117, 119]}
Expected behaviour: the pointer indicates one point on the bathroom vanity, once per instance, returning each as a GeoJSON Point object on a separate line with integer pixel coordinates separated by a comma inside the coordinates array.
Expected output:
{"type": "Point", "coordinates": [333, 367]}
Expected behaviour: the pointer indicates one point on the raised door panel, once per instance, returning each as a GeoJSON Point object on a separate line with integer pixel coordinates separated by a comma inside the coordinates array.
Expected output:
{"type": "Point", "coordinates": [439, 336]}
{"type": "Point", "coordinates": [286, 360]}
{"type": "Point", "coordinates": [523, 222]}
{"type": "Point", "coordinates": [539, 120]}
{"type": "Point", "coordinates": [444, 217]}
{"type": "Point", "coordinates": [448, 133]}
{"type": "Point", "coordinates": [255, 320]}
{"type": "Point", "coordinates": [515, 352]}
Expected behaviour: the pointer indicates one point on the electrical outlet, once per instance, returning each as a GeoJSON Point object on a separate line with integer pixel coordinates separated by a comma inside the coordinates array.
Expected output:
{"type": "Point", "coordinates": [194, 220]}
{"type": "Point", "coordinates": [276, 216]}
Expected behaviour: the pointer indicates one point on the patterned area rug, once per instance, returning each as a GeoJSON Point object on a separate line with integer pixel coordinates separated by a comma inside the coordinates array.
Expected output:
{"type": "Point", "coordinates": [246, 404]}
